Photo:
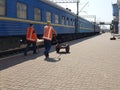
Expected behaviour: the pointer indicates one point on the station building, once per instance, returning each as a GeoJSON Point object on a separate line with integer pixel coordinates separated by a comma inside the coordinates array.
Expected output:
{"type": "Point", "coordinates": [115, 20]}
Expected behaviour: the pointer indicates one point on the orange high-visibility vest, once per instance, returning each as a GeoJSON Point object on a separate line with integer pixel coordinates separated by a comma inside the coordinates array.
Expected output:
{"type": "Point", "coordinates": [31, 35]}
{"type": "Point", "coordinates": [48, 33]}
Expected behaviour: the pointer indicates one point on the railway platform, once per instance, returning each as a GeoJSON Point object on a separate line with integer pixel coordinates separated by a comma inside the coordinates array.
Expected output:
{"type": "Point", "coordinates": [92, 64]}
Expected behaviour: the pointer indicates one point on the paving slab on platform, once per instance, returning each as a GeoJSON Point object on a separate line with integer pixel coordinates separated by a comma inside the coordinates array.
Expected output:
{"type": "Point", "coordinates": [92, 64]}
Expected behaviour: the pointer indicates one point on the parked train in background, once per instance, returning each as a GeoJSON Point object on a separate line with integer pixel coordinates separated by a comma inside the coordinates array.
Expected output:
{"type": "Point", "coordinates": [16, 15]}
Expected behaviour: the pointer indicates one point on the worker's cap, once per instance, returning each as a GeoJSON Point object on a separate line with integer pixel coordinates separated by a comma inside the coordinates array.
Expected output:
{"type": "Point", "coordinates": [48, 22]}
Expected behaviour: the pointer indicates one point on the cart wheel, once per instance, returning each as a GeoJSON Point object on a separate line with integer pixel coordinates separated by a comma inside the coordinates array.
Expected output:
{"type": "Point", "coordinates": [57, 50]}
{"type": "Point", "coordinates": [67, 49]}
{"type": "Point", "coordinates": [113, 38]}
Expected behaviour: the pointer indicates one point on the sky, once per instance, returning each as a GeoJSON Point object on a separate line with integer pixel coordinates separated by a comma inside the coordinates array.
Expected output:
{"type": "Point", "coordinates": [102, 9]}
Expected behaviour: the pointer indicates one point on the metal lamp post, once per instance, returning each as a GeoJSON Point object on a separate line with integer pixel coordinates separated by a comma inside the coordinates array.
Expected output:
{"type": "Point", "coordinates": [76, 26]}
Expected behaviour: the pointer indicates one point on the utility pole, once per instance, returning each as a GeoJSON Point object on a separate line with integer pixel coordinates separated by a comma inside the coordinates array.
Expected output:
{"type": "Point", "coordinates": [77, 19]}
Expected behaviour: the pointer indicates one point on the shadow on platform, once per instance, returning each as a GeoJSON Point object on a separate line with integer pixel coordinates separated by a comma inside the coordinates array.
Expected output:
{"type": "Point", "coordinates": [53, 59]}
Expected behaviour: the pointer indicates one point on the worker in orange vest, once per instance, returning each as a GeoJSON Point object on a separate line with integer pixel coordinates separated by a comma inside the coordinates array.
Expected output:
{"type": "Point", "coordinates": [31, 38]}
{"type": "Point", "coordinates": [47, 36]}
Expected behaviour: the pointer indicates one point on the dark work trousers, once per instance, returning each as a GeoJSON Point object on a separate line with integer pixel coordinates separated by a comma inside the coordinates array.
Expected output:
{"type": "Point", "coordinates": [28, 46]}
{"type": "Point", "coordinates": [47, 44]}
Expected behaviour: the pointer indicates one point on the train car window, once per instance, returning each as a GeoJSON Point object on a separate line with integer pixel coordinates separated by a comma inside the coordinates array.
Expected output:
{"type": "Point", "coordinates": [67, 21]}
{"type": "Point", "coordinates": [63, 20]}
{"type": "Point", "coordinates": [81, 24]}
{"type": "Point", "coordinates": [21, 10]}
{"type": "Point", "coordinates": [56, 19]}
{"type": "Point", "coordinates": [37, 14]}
{"type": "Point", "coordinates": [48, 16]}
{"type": "Point", "coordinates": [2, 7]}
{"type": "Point", "coordinates": [73, 22]}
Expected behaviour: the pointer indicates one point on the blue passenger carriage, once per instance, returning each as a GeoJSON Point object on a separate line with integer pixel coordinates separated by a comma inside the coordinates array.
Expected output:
{"type": "Point", "coordinates": [15, 16]}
